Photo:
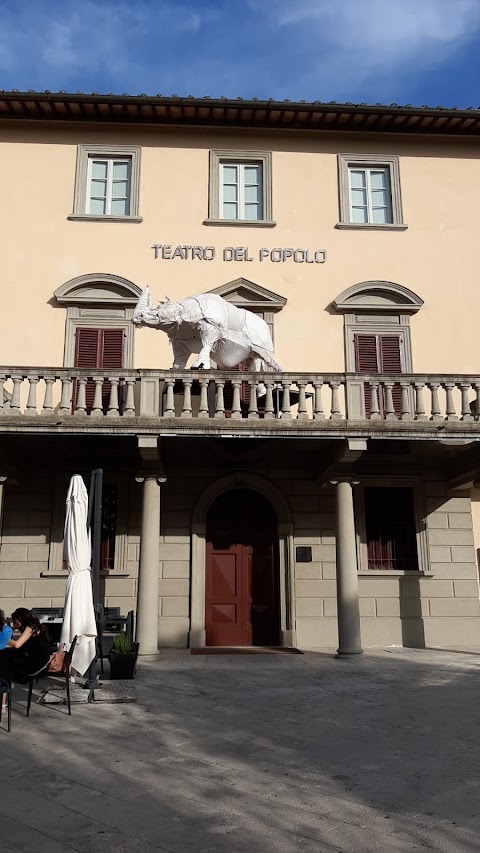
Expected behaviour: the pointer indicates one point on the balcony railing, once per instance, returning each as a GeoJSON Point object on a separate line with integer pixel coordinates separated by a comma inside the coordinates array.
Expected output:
{"type": "Point", "coordinates": [166, 394]}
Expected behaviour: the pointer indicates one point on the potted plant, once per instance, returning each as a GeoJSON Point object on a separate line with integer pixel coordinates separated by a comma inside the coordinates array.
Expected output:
{"type": "Point", "coordinates": [123, 657]}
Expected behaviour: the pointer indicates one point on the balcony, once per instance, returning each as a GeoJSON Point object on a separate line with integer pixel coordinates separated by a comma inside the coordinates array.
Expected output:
{"type": "Point", "coordinates": [222, 402]}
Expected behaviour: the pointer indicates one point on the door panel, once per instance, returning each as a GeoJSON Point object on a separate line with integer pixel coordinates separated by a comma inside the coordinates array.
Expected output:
{"type": "Point", "coordinates": [241, 590]}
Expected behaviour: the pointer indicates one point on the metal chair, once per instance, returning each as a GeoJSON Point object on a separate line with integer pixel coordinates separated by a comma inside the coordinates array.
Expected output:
{"type": "Point", "coordinates": [6, 688]}
{"type": "Point", "coordinates": [100, 620]}
{"type": "Point", "coordinates": [63, 673]}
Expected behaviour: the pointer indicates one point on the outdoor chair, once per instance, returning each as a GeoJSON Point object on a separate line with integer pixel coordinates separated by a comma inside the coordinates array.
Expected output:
{"type": "Point", "coordinates": [64, 674]}
{"type": "Point", "coordinates": [6, 688]}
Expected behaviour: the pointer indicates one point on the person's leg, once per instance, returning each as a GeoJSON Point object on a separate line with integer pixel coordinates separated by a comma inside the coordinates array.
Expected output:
{"type": "Point", "coordinates": [6, 659]}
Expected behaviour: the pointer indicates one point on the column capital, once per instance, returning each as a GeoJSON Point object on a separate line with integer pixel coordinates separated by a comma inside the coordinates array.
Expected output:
{"type": "Point", "coordinates": [354, 481]}
{"type": "Point", "coordinates": [3, 478]}
{"type": "Point", "coordinates": [159, 476]}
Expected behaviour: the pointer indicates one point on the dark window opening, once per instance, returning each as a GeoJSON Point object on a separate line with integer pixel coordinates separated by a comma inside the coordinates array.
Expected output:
{"type": "Point", "coordinates": [391, 530]}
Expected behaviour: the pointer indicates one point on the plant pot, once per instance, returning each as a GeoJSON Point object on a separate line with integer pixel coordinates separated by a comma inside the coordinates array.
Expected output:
{"type": "Point", "coordinates": [122, 666]}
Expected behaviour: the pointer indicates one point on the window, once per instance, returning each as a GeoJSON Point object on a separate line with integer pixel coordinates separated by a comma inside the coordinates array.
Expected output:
{"type": "Point", "coordinates": [107, 183]}
{"type": "Point", "coordinates": [370, 197]}
{"type": "Point", "coordinates": [108, 187]}
{"type": "Point", "coordinates": [369, 189]}
{"type": "Point", "coordinates": [240, 188]}
{"type": "Point", "coordinates": [390, 529]}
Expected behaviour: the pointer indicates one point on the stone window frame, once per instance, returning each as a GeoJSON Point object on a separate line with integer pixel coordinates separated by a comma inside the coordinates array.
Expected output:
{"type": "Point", "coordinates": [84, 154]}
{"type": "Point", "coordinates": [98, 300]}
{"type": "Point", "coordinates": [387, 161]}
{"type": "Point", "coordinates": [376, 308]}
{"type": "Point", "coordinates": [419, 509]}
{"type": "Point", "coordinates": [220, 156]}
{"type": "Point", "coordinates": [55, 557]}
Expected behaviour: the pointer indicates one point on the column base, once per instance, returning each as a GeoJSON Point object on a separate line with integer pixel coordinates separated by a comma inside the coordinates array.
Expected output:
{"type": "Point", "coordinates": [343, 652]}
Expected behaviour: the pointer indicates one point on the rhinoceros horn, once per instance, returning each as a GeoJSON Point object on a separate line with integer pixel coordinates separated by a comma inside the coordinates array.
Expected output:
{"type": "Point", "coordinates": [144, 304]}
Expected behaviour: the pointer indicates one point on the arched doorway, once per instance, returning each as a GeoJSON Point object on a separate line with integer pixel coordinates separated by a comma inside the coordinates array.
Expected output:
{"type": "Point", "coordinates": [242, 574]}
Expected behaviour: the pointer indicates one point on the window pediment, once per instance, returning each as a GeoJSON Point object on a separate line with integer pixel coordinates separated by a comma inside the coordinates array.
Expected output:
{"type": "Point", "coordinates": [382, 296]}
{"type": "Point", "coordinates": [98, 288]}
{"type": "Point", "coordinates": [246, 294]}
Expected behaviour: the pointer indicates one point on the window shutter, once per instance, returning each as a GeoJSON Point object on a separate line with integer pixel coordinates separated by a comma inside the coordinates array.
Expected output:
{"type": "Point", "coordinates": [98, 348]}
{"type": "Point", "coordinates": [87, 347]}
{"type": "Point", "coordinates": [379, 354]}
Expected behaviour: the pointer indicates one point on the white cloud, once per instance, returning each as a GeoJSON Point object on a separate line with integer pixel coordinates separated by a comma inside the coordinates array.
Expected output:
{"type": "Point", "coordinates": [365, 40]}
{"type": "Point", "coordinates": [86, 36]}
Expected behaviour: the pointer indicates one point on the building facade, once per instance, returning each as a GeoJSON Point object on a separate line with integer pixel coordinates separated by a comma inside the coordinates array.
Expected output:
{"type": "Point", "coordinates": [246, 508]}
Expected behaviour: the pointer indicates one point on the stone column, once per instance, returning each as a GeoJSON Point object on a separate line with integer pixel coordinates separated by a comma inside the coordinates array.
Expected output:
{"type": "Point", "coordinates": [148, 570]}
{"type": "Point", "coordinates": [348, 610]}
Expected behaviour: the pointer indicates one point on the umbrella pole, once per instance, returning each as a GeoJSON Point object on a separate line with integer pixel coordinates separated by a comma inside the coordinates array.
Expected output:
{"type": "Point", "coordinates": [95, 524]}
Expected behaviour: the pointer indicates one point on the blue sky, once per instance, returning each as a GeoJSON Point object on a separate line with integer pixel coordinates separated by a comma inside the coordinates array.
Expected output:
{"type": "Point", "coordinates": [404, 51]}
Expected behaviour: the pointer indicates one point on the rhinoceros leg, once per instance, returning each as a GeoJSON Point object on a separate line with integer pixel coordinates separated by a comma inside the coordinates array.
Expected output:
{"type": "Point", "coordinates": [209, 336]}
{"type": "Point", "coordinates": [180, 355]}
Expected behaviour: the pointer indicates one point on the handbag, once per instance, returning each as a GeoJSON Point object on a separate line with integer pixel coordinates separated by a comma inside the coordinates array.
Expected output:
{"type": "Point", "coordinates": [57, 660]}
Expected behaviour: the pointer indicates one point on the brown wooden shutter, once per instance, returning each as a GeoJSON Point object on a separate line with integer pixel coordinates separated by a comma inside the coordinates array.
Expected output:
{"type": "Point", "coordinates": [379, 354]}
{"type": "Point", "coordinates": [98, 348]}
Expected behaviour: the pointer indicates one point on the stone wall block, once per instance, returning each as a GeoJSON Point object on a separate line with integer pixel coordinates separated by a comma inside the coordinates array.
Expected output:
{"type": "Point", "coordinates": [179, 551]}
{"type": "Point", "coordinates": [175, 569]}
{"type": "Point", "coordinates": [367, 607]}
{"type": "Point", "coordinates": [329, 607]}
{"type": "Point", "coordinates": [324, 553]}
{"type": "Point", "coordinates": [45, 587]}
{"type": "Point", "coordinates": [437, 520]}
{"type": "Point", "coordinates": [11, 589]}
{"type": "Point", "coordinates": [132, 552]}
{"type": "Point", "coordinates": [463, 554]}
{"type": "Point", "coordinates": [439, 554]}
{"type": "Point", "coordinates": [465, 588]}
{"type": "Point", "coordinates": [13, 553]}
{"type": "Point", "coordinates": [123, 587]}
{"type": "Point", "coordinates": [458, 520]}
{"type": "Point", "coordinates": [450, 537]}
{"type": "Point", "coordinates": [173, 632]}
{"type": "Point", "coordinates": [175, 606]}
{"type": "Point", "coordinates": [426, 588]}
{"type": "Point", "coordinates": [378, 587]}
{"type": "Point", "coordinates": [454, 570]}
{"type": "Point", "coordinates": [308, 571]}
{"type": "Point", "coordinates": [455, 607]}
{"type": "Point", "coordinates": [308, 607]}
{"type": "Point", "coordinates": [309, 589]}
{"type": "Point", "coordinates": [38, 552]}
{"type": "Point", "coordinates": [329, 571]}
{"type": "Point", "coordinates": [174, 587]}
{"type": "Point", "coordinates": [306, 537]}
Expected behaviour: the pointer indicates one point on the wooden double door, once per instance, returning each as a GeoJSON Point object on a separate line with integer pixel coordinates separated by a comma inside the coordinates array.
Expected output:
{"type": "Point", "coordinates": [242, 583]}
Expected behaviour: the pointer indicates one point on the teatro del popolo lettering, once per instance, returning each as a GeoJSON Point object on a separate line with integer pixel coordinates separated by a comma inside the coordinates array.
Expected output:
{"type": "Point", "coordinates": [168, 252]}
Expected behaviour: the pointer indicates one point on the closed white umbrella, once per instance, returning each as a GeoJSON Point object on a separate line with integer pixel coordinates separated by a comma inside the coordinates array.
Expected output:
{"type": "Point", "coordinates": [79, 615]}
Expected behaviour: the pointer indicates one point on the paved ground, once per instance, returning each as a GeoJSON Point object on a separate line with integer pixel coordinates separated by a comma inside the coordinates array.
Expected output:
{"type": "Point", "coordinates": [255, 753]}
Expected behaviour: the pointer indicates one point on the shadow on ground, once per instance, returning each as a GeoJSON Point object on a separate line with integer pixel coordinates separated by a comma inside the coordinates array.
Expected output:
{"type": "Point", "coordinates": [265, 754]}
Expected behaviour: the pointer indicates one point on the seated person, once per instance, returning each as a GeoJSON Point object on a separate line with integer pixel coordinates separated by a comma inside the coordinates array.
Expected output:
{"type": "Point", "coordinates": [5, 657]}
{"type": "Point", "coordinates": [31, 649]}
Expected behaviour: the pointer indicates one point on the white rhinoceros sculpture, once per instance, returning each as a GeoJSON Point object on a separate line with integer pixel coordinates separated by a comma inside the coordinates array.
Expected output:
{"type": "Point", "coordinates": [209, 325]}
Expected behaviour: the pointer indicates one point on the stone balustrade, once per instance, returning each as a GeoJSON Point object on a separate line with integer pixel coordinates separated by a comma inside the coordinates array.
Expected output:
{"type": "Point", "coordinates": [187, 394]}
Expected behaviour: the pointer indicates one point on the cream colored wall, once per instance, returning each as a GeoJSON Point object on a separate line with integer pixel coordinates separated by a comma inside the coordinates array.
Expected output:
{"type": "Point", "coordinates": [436, 256]}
